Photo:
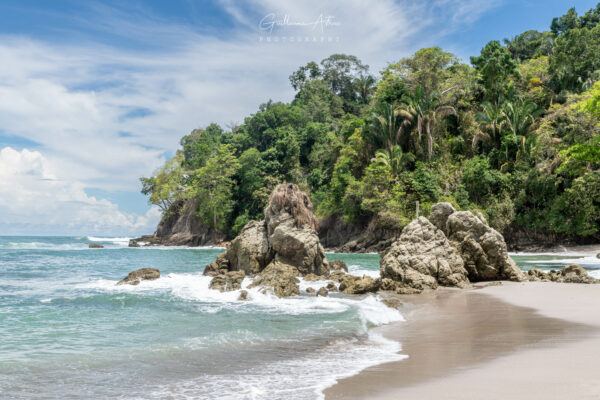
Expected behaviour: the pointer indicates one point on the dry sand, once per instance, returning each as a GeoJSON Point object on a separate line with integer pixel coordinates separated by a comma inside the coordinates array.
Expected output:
{"type": "Point", "coordinates": [513, 341]}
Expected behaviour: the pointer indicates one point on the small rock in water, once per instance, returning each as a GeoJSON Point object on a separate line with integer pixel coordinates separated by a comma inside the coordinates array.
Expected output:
{"type": "Point", "coordinates": [310, 290]}
{"type": "Point", "coordinates": [135, 277]}
{"type": "Point", "coordinates": [598, 255]}
{"type": "Point", "coordinates": [133, 243]}
{"type": "Point", "coordinates": [338, 265]}
{"type": "Point", "coordinates": [95, 246]}
{"type": "Point", "coordinates": [331, 287]}
{"type": "Point", "coordinates": [243, 295]}
{"type": "Point", "coordinates": [227, 282]}
{"type": "Point", "coordinates": [322, 292]}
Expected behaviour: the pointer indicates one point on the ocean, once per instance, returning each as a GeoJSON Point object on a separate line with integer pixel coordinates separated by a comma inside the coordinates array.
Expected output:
{"type": "Point", "coordinates": [68, 332]}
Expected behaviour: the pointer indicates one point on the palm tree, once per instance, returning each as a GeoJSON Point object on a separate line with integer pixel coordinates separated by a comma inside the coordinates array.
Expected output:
{"type": "Point", "coordinates": [425, 113]}
{"type": "Point", "coordinates": [365, 85]}
{"type": "Point", "coordinates": [386, 128]}
{"type": "Point", "coordinates": [396, 160]}
{"type": "Point", "coordinates": [491, 121]}
{"type": "Point", "coordinates": [519, 118]}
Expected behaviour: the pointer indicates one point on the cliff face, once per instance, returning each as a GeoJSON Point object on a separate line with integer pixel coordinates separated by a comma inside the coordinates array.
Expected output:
{"type": "Point", "coordinates": [342, 237]}
{"type": "Point", "coordinates": [181, 227]}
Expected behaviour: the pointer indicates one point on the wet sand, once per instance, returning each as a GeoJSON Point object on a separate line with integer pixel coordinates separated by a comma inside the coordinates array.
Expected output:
{"type": "Point", "coordinates": [514, 341]}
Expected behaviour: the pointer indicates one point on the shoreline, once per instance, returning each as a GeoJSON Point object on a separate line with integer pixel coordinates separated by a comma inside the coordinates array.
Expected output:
{"type": "Point", "coordinates": [514, 340]}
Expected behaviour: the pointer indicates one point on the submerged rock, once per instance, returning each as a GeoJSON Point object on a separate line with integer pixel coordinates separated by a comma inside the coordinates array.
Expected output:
{"type": "Point", "coordinates": [422, 258]}
{"type": "Point", "coordinates": [322, 292]}
{"type": "Point", "coordinates": [135, 277]}
{"type": "Point", "coordinates": [278, 278]}
{"type": "Point", "coordinates": [228, 281]}
{"type": "Point", "coordinates": [310, 290]}
{"type": "Point", "coordinates": [243, 295]}
{"type": "Point", "coordinates": [331, 287]}
{"type": "Point", "coordinates": [95, 246]}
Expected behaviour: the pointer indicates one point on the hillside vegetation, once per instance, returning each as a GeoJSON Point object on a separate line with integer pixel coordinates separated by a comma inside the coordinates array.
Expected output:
{"type": "Point", "coordinates": [515, 135]}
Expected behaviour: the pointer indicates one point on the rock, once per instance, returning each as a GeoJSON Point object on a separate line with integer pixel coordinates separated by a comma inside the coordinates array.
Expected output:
{"type": "Point", "coordinates": [95, 246]}
{"type": "Point", "coordinates": [133, 243]}
{"type": "Point", "coordinates": [227, 282]}
{"type": "Point", "coordinates": [439, 215]}
{"type": "Point", "coordinates": [322, 292]}
{"type": "Point", "coordinates": [338, 265]}
{"type": "Point", "coordinates": [249, 251]}
{"type": "Point", "coordinates": [423, 258]}
{"type": "Point", "coordinates": [536, 275]}
{"type": "Point", "coordinates": [388, 284]}
{"type": "Point", "coordinates": [331, 287]}
{"type": "Point", "coordinates": [310, 290]}
{"type": "Point", "coordinates": [575, 273]}
{"type": "Point", "coordinates": [286, 236]}
{"type": "Point", "coordinates": [135, 277]}
{"type": "Point", "coordinates": [598, 255]}
{"type": "Point", "coordinates": [279, 278]}
{"type": "Point", "coordinates": [337, 276]}
{"type": "Point", "coordinates": [355, 285]}
{"type": "Point", "coordinates": [219, 267]}
{"type": "Point", "coordinates": [402, 289]}
{"type": "Point", "coordinates": [482, 248]}
{"type": "Point", "coordinates": [312, 277]}
{"type": "Point", "coordinates": [243, 295]}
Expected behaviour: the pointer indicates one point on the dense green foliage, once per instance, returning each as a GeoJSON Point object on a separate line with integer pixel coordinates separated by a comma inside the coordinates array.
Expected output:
{"type": "Point", "coordinates": [515, 135]}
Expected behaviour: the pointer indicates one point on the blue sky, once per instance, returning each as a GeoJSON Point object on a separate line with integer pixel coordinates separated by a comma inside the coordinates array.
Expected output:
{"type": "Point", "coordinates": [94, 95]}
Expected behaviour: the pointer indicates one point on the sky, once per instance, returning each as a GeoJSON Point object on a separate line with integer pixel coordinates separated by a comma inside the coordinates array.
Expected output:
{"type": "Point", "coordinates": [95, 94]}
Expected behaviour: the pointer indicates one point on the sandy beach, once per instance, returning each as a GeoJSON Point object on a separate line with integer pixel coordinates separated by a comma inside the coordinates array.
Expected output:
{"type": "Point", "coordinates": [511, 341]}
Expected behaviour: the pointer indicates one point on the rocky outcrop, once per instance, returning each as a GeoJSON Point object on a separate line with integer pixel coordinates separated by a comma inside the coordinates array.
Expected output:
{"type": "Point", "coordinates": [285, 238]}
{"type": "Point", "coordinates": [322, 292]}
{"type": "Point", "coordinates": [279, 279]}
{"type": "Point", "coordinates": [228, 281]}
{"type": "Point", "coordinates": [135, 277]}
{"type": "Point", "coordinates": [249, 251]}
{"type": "Point", "coordinates": [481, 247]}
{"type": "Point", "coordinates": [338, 265]}
{"type": "Point", "coordinates": [573, 273]}
{"type": "Point", "coordinates": [95, 246]}
{"type": "Point", "coordinates": [180, 226]}
{"type": "Point", "coordinates": [422, 258]}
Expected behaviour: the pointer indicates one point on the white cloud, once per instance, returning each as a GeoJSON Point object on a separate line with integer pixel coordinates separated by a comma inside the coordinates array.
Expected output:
{"type": "Point", "coordinates": [77, 101]}
{"type": "Point", "coordinates": [34, 199]}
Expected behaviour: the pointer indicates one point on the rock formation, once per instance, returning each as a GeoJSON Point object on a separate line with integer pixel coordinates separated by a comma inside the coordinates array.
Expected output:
{"type": "Point", "coordinates": [481, 247]}
{"type": "Point", "coordinates": [180, 226]}
{"type": "Point", "coordinates": [135, 277]}
{"type": "Point", "coordinates": [279, 279]}
{"type": "Point", "coordinates": [423, 258]}
{"type": "Point", "coordinates": [285, 241]}
{"type": "Point", "coordinates": [573, 273]}
{"type": "Point", "coordinates": [95, 246]}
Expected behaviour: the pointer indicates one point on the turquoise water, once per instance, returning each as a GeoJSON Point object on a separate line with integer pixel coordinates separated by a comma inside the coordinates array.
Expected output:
{"type": "Point", "coordinates": [69, 332]}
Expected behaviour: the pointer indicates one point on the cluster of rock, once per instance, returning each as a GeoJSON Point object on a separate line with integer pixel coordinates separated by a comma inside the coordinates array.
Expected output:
{"type": "Point", "coordinates": [573, 273]}
{"type": "Point", "coordinates": [451, 248]}
{"type": "Point", "coordinates": [278, 250]}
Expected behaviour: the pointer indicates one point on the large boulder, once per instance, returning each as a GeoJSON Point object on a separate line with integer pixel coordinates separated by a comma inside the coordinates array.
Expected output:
{"type": "Point", "coordinates": [135, 277]}
{"type": "Point", "coordinates": [482, 248]}
{"type": "Point", "coordinates": [286, 236]}
{"type": "Point", "coordinates": [278, 278]}
{"type": "Point", "coordinates": [439, 214]}
{"type": "Point", "coordinates": [249, 251]}
{"type": "Point", "coordinates": [422, 258]}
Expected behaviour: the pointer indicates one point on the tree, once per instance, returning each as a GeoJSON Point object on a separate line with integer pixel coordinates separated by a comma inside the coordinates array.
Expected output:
{"type": "Point", "coordinates": [530, 44]}
{"type": "Point", "coordinates": [491, 120]}
{"type": "Point", "coordinates": [213, 187]}
{"type": "Point", "coordinates": [387, 127]}
{"type": "Point", "coordinates": [425, 113]}
{"type": "Point", "coordinates": [199, 145]}
{"type": "Point", "coordinates": [165, 187]}
{"type": "Point", "coordinates": [564, 24]}
{"type": "Point", "coordinates": [495, 66]}
{"type": "Point", "coordinates": [396, 161]}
